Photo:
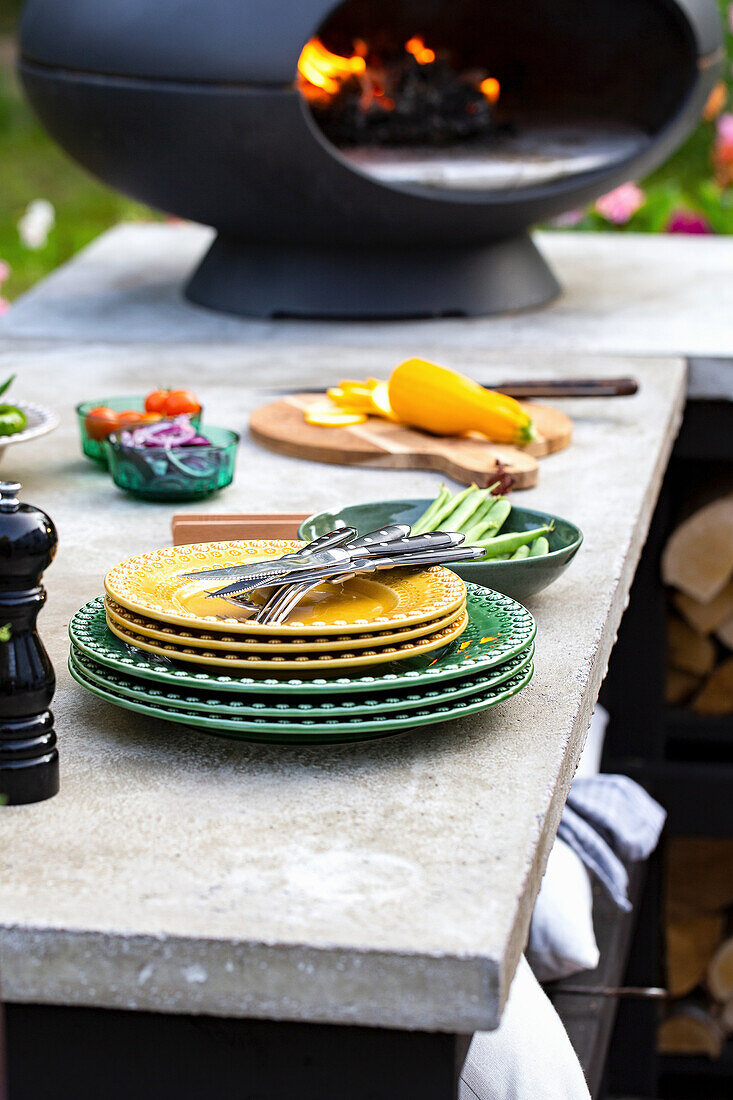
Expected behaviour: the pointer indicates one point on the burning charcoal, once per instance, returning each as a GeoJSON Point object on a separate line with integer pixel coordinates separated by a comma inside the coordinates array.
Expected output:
{"type": "Point", "coordinates": [408, 98]}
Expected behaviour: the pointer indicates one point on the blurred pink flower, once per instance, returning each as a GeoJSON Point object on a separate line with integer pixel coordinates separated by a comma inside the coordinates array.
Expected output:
{"type": "Point", "coordinates": [688, 221]}
{"type": "Point", "coordinates": [618, 206]}
{"type": "Point", "coordinates": [568, 219]}
{"type": "Point", "coordinates": [730, 18]}
{"type": "Point", "coordinates": [724, 127]}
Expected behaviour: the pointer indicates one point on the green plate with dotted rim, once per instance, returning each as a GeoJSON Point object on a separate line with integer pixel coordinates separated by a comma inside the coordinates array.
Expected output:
{"type": "Point", "coordinates": [308, 731]}
{"type": "Point", "coordinates": [499, 628]}
{"type": "Point", "coordinates": [263, 706]}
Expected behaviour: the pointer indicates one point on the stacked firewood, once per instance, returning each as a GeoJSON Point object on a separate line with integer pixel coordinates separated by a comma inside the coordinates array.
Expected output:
{"type": "Point", "coordinates": [699, 947]}
{"type": "Point", "coordinates": [697, 564]}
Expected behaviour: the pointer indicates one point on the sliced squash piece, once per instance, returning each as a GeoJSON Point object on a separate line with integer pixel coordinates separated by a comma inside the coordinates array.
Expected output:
{"type": "Point", "coordinates": [380, 401]}
{"type": "Point", "coordinates": [327, 415]}
{"type": "Point", "coordinates": [350, 399]}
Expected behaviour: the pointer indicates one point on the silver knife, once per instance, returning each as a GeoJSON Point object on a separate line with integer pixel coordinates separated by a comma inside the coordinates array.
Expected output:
{"type": "Point", "coordinates": [391, 533]}
{"type": "Point", "coordinates": [346, 568]}
{"type": "Point", "coordinates": [324, 542]}
{"type": "Point", "coordinates": [431, 540]}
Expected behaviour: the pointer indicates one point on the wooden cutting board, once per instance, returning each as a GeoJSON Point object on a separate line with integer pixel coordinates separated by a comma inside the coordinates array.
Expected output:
{"type": "Point", "coordinates": [282, 427]}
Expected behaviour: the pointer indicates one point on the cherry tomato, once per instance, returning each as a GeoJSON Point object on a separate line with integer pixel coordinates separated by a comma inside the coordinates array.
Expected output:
{"type": "Point", "coordinates": [181, 402]}
{"type": "Point", "coordinates": [100, 421]}
{"type": "Point", "coordinates": [155, 401]}
{"type": "Point", "coordinates": [150, 418]}
{"type": "Point", "coordinates": [129, 416]}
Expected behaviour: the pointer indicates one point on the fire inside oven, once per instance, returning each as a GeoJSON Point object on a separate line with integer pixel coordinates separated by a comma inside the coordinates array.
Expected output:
{"type": "Point", "coordinates": [486, 96]}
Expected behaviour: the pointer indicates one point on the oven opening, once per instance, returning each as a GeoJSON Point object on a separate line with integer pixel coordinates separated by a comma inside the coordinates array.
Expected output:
{"type": "Point", "coordinates": [493, 96]}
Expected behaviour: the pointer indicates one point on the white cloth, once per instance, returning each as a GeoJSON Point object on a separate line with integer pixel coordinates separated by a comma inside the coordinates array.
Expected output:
{"type": "Point", "coordinates": [609, 819]}
{"type": "Point", "coordinates": [528, 1057]}
{"type": "Point", "coordinates": [621, 811]}
{"type": "Point", "coordinates": [590, 758]}
{"type": "Point", "coordinates": [561, 936]}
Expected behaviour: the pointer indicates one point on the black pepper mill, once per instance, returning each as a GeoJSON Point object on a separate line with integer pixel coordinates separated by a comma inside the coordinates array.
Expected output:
{"type": "Point", "coordinates": [29, 761]}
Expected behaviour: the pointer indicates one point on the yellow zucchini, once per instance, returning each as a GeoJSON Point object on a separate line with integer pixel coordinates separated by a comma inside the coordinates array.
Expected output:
{"type": "Point", "coordinates": [444, 402]}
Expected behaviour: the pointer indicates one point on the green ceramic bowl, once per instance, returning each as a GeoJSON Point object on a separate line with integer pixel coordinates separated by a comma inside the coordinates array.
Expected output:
{"type": "Point", "coordinates": [520, 579]}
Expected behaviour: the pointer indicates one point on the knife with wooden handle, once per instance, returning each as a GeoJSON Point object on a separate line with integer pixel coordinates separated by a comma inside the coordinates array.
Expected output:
{"type": "Point", "coordinates": [566, 387]}
{"type": "Point", "coordinates": [544, 387]}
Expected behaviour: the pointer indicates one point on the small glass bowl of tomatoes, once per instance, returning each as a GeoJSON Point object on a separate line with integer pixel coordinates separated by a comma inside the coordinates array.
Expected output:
{"type": "Point", "coordinates": [98, 419]}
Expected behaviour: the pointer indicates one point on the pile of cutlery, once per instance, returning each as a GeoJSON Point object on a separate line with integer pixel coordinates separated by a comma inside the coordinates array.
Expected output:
{"type": "Point", "coordinates": [337, 556]}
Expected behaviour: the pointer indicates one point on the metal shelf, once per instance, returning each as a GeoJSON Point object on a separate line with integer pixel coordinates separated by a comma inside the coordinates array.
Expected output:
{"type": "Point", "coordinates": [683, 759]}
{"type": "Point", "coordinates": [589, 1019]}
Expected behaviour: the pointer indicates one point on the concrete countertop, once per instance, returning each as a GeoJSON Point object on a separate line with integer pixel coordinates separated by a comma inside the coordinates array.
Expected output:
{"type": "Point", "coordinates": [623, 294]}
{"type": "Point", "coordinates": [389, 883]}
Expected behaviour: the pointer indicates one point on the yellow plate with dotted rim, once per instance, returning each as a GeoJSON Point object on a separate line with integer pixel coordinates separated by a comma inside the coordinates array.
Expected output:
{"type": "Point", "coordinates": [152, 585]}
{"type": "Point", "coordinates": [180, 636]}
{"type": "Point", "coordinates": [308, 663]}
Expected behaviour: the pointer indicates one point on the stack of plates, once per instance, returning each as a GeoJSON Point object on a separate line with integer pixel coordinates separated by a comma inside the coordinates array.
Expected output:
{"type": "Point", "coordinates": [357, 660]}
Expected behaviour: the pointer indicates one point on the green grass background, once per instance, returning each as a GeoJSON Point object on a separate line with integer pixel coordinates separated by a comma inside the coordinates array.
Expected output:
{"type": "Point", "coordinates": [32, 167]}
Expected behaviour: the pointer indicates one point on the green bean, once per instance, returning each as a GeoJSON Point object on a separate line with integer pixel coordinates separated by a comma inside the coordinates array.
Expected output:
{"type": "Point", "coordinates": [494, 521]}
{"type": "Point", "coordinates": [463, 512]}
{"type": "Point", "coordinates": [449, 507]}
{"type": "Point", "coordinates": [423, 524]}
{"type": "Point", "coordinates": [539, 547]}
{"type": "Point", "coordinates": [489, 500]}
{"type": "Point", "coordinates": [511, 541]}
{"type": "Point", "coordinates": [480, 516]}
{"type": "Point", "coordinates": [520, 552]}
{"type": "Point", "coordinates": [483, 511]}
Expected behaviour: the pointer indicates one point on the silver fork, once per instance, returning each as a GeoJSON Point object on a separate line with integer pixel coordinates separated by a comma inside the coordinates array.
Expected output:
{"type": "Point", "coordinates": [289, 595]}
{"type": "Point", "coordinates": [280, 609]}
{"type": "Point", "coordinates": [292, 594]}
{"type": "Point", "coordinates": [331, 538]}
{"type": "Point", "coordinates": [286, 599]}
{"type": "Point", "coordinates": [347, 570]}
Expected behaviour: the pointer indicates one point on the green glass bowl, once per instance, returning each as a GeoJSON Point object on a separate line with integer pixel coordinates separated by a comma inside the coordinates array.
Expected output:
{"type": "Point", "coordinates": [94, 448]}
{"type": "Point", "coordinates": [520, 579]}
{"type": "Point", "coordinates": [173, 473]}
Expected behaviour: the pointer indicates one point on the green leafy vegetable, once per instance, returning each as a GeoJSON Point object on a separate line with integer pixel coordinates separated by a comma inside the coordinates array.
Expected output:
{"type": "Point", "coordinates": [6, 383]}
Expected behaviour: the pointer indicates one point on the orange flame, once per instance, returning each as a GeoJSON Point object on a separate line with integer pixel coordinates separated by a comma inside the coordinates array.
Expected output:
{"type": "Point", "coordinates": [422, 53]}
{"type": "Point", "coordinates": [326, 70]}
{"type": "Point", "coordinates": [491, 88]}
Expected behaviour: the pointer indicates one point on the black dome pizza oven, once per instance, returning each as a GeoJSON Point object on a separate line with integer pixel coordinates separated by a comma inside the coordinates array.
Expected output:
{"type": "Point", "coordinates": [371, 157]}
